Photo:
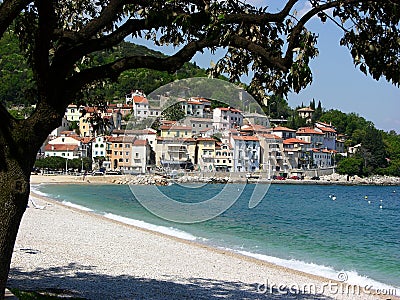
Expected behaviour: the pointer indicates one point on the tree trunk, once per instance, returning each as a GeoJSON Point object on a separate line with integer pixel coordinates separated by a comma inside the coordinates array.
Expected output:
{"type": "Point", "coordinates": [14, 195]}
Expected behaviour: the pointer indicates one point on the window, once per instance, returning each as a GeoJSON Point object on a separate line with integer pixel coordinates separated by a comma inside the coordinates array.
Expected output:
{"type": "Point", "coordinates": [120, 152]}
{"type": "Point", "coordinates": [120, 160]}
{"type": "Point", "coordinates": [127, 145]}
{"type": "Point", "coordinates": [126, 160]}
{"type": "Point", "coordinates": [127, 153]}
{"type": "Point", "coordinates": [115, 153]}
{"type": "Point", "coordinates": [120, 145]}
{"type": "Point", "coordinates": [115, 145]}
{"type": "Point", "coordinates": [136, 154]}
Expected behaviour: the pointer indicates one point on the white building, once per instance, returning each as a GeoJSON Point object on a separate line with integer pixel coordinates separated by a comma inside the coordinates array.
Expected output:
{"type": "Point", "coordinates": [226, 118]}
{"type": "Point", "coordinates": [256, 119]}
{"type": "Point", "coordinates": [140, 104]}
{"type": "Point", "coordinates": [99, 145]}
{"type": "Point", "coordinates": [199, 125]}
{"type": "Point", "coordinates": [246, 153]}
{"type": "Point", "coordinates": [322, 158]}
{"type": "Point", "coordinates": [62, 150]}
{"type": "Point", "coordinates": [196, 107]}
{"type": "Point", "coordinates": [310, 135]}
{"type": "Point", "coordinates": [140, 155]}
{"type": "Point", "coordinates": [72, 113]}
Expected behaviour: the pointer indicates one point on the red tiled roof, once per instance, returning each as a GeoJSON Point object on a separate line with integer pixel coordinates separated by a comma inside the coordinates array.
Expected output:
{"type": "Point", "coordinates": [307, 130]}
{"type": "Point", "coordinates": [206, 139]}
{"type": "Point", "coordinates": [281, 128]}
{"type": "Point", "coordinates": [121, 139]}
{"type": "Point", "coordinates": [229, 109]}
{"type": "Point", "coordinates": [270, 136]}
{"type": "Point", "coordinates": [175, 127]}
{"type": "Point", "coordinates": [305, 109]}
{"type": "Point", "coordinates": [327, 129]}
{"type": "Point", "coordinates": [174, 139]}
{"type": "Point", "coordinates": [295, 141]}
{"type": "Point", "coordinates": [61, 147]}
{"type": "Point", "coordinates": [140, 99]}
{"type": "Point", "coordinates": [86, 140]}
{"type": "Point", "coordinates": [245, 138]}
{"type": "Point", "coordinates": [140, 143]}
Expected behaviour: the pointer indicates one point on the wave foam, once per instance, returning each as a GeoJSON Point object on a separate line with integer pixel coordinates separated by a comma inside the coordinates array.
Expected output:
{"type": "Point", "coordinates": [162, 229]}
{"type": "Point", "coordinates": [320, 270]}
{"type": "Point", "coordinates": [81, 207]}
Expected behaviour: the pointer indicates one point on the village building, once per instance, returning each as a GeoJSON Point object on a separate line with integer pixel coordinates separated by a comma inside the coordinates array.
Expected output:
{"type": "Point", "coordinates": [72, 113]}
{"type": "Point", "coordinates": [223, 157]}
{"type": "Point", "coordinates": [205, 155]}
{"type": "Point", "coordinates": [256, 119]}
{"type": "Point", "coordinates": [227, 118]}
{"type": "Point", "coordinates": [322, 158]}
{"type": "Point", "coordinates": [246, 153]}
{"type": "Point", "coordinates": [306, 113]}
{"type": "Point", "coordinates": [294, 154]}
{"type": "Point", "coordinates": [284, 132]}
{"type": "Point", "coordinates": [175, 153]}
{"type": "Point", "coordinates": [271, 153]}
{"type": "Point", "coordinates": [141, 156]}
{"type": "Point", "coordinates": [199, 125]}
{"type": "Point", "coordinates": [313, 137]}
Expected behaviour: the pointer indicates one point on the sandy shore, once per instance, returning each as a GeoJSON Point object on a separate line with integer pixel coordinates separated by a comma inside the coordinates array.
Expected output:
{"type": "Point", "coordinates": [59, 248]}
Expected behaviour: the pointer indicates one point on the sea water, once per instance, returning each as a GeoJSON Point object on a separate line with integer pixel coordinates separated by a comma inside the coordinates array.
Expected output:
{"type": "Point", "coordinates": [296, 226]}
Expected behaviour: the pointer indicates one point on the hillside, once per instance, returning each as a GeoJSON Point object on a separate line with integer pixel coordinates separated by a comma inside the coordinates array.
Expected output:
{"type": "Point", "coordinates": [16, 87]}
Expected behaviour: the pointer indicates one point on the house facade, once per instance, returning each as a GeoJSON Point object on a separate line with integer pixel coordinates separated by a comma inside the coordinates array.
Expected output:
{"type": "Point", "coordinates": [246, 153]}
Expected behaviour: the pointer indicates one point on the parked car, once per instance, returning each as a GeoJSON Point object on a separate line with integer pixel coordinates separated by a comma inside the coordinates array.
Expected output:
{"type": "Point", "coordinates": [315, 178]}
{"type": "Point", "coordinates": [97, 173]}
{"type": "Point", "coordinates": [278, 177]}
{"type": "Point", "coordinates": [295, 177]}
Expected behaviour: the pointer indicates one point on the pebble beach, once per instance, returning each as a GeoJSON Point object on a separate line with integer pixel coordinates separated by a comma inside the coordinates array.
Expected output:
{"type": "Point", "coordinates": [79, 254]}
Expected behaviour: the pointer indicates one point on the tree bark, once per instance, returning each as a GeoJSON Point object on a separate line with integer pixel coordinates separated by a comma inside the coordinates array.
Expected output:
{"type": "Point", "coordinates": [14, 195]}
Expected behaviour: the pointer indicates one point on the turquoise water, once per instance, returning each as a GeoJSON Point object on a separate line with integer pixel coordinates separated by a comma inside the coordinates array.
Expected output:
{"type": "Point", "coordinates": [298, 226]}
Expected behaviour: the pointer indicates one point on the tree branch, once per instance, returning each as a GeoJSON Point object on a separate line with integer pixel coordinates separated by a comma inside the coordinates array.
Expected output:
{"type": "Point", "coordinates": [114, 69]}
{"type": "Point", "coordinates": [9, 10]}
{"type": "Point", "coordinates": [42, 41]}
{"type": "Point", "coordinates": [107, 16]}
{"type": "Point", "coordinates": [240, 42]}
{"type": "Point", "coordinates": [293, 38]}
{"type": "Point", "coordinates": [263, 18]}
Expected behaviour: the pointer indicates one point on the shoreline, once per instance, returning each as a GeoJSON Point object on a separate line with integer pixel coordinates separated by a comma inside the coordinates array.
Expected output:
{"type": "Point", "coordinates": [333, 179]}
{"type": "Point", "coordinates": [196, 260]}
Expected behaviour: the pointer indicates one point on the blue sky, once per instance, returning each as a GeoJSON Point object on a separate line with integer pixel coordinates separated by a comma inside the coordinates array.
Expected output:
{"type": "Point", "coordinates": [337, 83]}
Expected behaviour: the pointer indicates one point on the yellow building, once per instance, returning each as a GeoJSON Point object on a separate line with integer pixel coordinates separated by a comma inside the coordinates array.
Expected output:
{"type": "Point", "coordinates": [174, 153]}
{"type": "Point", "coordinates": [206, 154]}
{"type": "Point", "coordinates": [175, 131]}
